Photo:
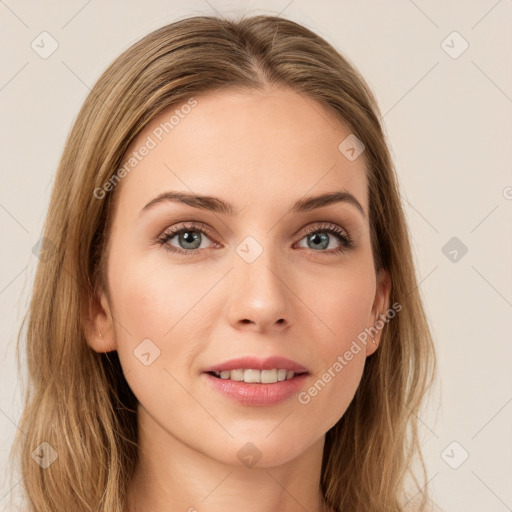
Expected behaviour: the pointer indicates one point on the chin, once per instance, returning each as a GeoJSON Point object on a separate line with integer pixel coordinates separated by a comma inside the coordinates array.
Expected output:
{"type": "Point", "coordinates": [260, 452]}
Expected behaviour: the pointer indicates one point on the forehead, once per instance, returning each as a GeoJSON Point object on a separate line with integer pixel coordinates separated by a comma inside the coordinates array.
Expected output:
{"type": "Point", "coordinates": [264, 148]}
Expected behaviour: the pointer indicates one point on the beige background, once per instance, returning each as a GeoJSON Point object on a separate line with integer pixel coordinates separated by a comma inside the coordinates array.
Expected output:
{"type": "Point", "coordinates": [449, 123]}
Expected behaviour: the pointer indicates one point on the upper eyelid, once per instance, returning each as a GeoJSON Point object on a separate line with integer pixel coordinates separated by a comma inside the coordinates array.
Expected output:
{"type": "Point", "coordinates": [322, 225]}
{"type": "Point", "coordinates": [183, 226]}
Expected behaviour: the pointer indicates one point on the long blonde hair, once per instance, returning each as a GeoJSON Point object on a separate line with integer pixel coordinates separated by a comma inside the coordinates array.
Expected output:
{"type": "Point", "coordinates": [78, 400]}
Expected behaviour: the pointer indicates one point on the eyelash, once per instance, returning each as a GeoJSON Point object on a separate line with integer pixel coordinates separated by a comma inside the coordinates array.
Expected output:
{"type": "Point", "coordinates": [346, 242]}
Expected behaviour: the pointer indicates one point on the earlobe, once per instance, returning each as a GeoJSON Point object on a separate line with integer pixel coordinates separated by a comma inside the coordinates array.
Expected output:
{"type": "Point", "coordinates": [378, 314]}
{"type": "Point", "coordinates": [98, 325]}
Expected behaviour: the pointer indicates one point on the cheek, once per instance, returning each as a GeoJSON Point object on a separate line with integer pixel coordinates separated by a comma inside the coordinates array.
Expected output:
{"type": "Point", "coordinates": [153, 297]}
{"type": "Point", "coordinates": [144, 311]}
{"type": "Point", "coordinates": [342, 308]}
{"type": "Point", "coordinates": [154, 336]}
{"type": "Point", "coordinates": [341, 359]}
{"type": "Point", "coordinates": [162, 318]}
{"type": "Point", "coordinates": [340, 302]}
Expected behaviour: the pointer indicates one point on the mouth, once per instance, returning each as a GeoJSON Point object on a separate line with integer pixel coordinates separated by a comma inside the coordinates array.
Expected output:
{"type": "Point", "coordinates": [252, 381]}
{"type": "Point", "coordinates": [254, 370]}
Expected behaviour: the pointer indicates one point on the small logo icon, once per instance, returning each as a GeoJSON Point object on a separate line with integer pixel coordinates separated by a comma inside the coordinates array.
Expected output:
{"type": "Point", "coordinates": [351, 147]}
{"type": "Point", "coordinates": [45, 455]}
{"type": "Point", "coordinates": [454, 455]}
{"type": "Point", "coordinates": [146, 352]}
{"type": "Point", "coordinates": [249, 249]}
{"type": "Point", "coordinates": [44, 45]}
{"type": "Point", "coordinates": [454, 45]}
{"type": "Point", "coordinates": [454, 249]}
{"type": "Point", "coordinates": [249, 455]}
{"type": "Point", "coordinates": [44, 250]}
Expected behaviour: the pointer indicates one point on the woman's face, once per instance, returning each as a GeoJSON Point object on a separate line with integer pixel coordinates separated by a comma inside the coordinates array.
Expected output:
{"type": "Point", "coordinates": [260, 270]}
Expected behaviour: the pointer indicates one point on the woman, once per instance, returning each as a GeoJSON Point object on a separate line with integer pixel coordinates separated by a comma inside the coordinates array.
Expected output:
{"type": "Point", "coordinates": [227, 314]}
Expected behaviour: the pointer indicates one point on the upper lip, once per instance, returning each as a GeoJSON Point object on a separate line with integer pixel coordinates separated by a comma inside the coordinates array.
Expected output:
{"type": "Point", "coordinates": [256, 363]}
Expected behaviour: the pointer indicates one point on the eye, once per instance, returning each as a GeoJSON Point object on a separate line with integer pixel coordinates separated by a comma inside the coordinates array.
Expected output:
{"type": "Point", "coordinates": [322, 237]}
{"type": "Point", "coordinates": [189, 238]}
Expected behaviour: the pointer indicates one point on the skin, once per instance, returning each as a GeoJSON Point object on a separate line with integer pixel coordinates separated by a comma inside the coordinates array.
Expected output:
{"type": "Point", "coordinates": [260, 151]}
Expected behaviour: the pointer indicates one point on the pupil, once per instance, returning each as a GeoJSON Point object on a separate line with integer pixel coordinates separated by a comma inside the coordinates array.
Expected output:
{"type": "Point", "coordinates": [319, 238]}
{"type": "Point", "coordinates": [190, 237]}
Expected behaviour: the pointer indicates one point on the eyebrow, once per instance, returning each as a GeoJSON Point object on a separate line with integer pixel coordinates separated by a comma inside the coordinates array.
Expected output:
{"type": "Point", "coordinates": [218, 205]}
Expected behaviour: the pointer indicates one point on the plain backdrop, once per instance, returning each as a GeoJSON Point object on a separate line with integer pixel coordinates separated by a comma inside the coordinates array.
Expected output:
{"type": "Point", "coordinates": [442, 74]}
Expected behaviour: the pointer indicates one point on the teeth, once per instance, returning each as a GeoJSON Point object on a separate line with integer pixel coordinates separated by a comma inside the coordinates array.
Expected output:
{"type": "Point", "coordinates": [257, 376]}
{"type": "Point", "coordinates": [237, 375]}
{"type": "Point", "coordinates": [268, 376]}
{"type": "Point", "coordinates": [252, 376]}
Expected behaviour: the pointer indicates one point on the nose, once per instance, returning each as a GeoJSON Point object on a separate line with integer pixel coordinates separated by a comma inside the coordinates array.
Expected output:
{"type": "Point", "coordinates": [259, 297]}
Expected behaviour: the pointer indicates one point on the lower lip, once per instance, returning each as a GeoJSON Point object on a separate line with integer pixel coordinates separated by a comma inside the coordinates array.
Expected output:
{"type": "Point", "coordinates": [255, 394]}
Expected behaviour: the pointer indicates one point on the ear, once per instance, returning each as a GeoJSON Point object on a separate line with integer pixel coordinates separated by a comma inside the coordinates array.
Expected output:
{"type": "Point", "coordinates": [379, 308]}
{"type": "Point", "coordinates": [98, 321]}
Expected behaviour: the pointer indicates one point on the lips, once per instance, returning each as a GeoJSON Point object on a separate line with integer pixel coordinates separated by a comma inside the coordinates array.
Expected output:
{"type": "Point", "coordinates": [262, 383]}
